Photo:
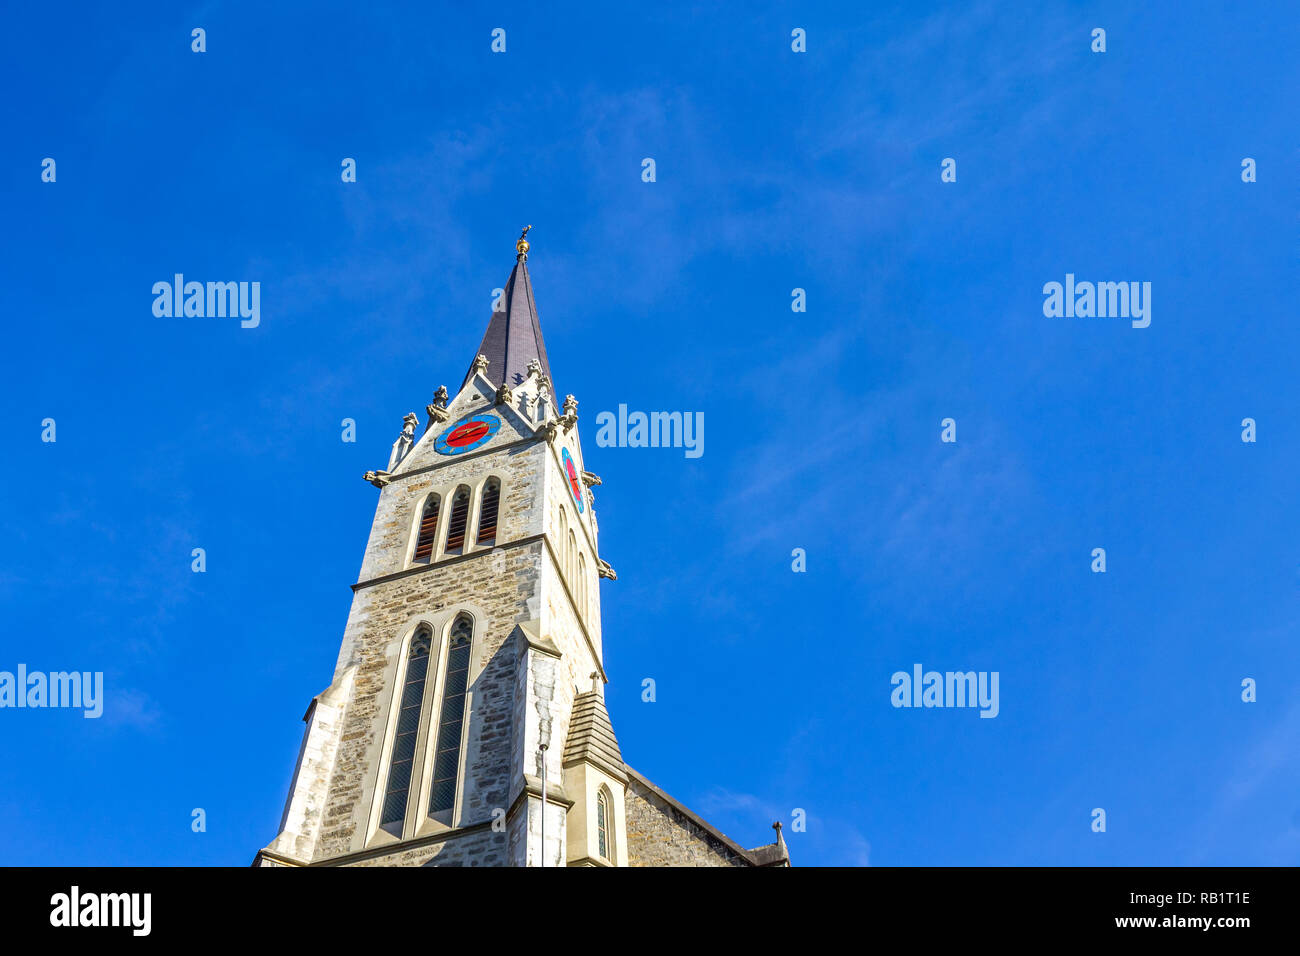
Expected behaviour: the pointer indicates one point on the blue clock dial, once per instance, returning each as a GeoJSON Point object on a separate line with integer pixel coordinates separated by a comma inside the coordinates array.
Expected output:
{"type": "Point", "coordinates": [467, 434]}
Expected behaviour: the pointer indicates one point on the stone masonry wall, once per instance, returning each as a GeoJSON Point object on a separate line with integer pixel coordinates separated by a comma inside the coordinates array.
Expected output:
{"type": "Point", "coordinates": [396, 517]}
{"type": "Point", "coordinates": [498, 590]}
{"type": "Point", "coordinates": [499, 586]}
{"type": "Point", "coordinates": [557, 498]}
{"type": "Point", "coordinates": [563, 619]}
{"type": "Point", "coordinates": [480, 848]}
{"type": "Point", "coordinates": [659, 835]}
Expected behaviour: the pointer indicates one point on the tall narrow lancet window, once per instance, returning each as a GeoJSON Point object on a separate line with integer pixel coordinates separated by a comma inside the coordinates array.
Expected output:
{"type": "Point", "coordinates": [602, 823]}
{"type": "Point", "coordinates": [451, 721]}
{"type": "Point", "coordinates": [562, 543]}
{"type": "Point", "coordinates": [408, 726]}
{"type": "Point", "coordinates": [571, 558]}
{"type": "Point", "coordinates": [459, 518]}
{"type": "Point", "coordinates": [581, 595]}
{"type": "Point", "coordinates": [428, 527]}
{"type": "Point", "coordinates": [487, 512]}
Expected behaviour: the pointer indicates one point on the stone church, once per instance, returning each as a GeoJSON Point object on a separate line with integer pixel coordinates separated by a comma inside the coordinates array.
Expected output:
{"type": "Point", "coordinates": [466, 722]}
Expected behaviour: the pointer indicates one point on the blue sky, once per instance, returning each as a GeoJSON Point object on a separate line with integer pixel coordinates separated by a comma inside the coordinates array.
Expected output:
{"type": "Point", "coordinates": [775, 170]}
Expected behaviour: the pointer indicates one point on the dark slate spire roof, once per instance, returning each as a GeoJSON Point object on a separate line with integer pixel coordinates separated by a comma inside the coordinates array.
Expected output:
{"type": "Point", "coordinates": [591, 735]}
{"type": "Point", "coordinates": [514, 337]}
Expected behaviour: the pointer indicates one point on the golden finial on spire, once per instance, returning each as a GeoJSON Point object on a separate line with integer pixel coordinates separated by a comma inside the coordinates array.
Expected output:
{"type": "Point", "coordinates": [521, 247]}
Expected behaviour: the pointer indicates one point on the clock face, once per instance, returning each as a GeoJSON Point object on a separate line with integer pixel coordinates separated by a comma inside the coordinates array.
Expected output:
{"type": "Point", "coordinates": [571, 473]}
{"type": "Point", "coordinates": [467, 434]}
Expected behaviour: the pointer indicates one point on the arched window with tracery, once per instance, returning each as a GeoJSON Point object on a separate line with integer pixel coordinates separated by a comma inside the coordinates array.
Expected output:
{"type": "Point", "coordinates": [402, 759]}
{"type": "Point", "coordinates": [451, 718]}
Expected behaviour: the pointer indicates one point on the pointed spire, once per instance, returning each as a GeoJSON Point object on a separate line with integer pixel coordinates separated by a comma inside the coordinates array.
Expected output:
{"type": "Point", "coordinates": [513, 339]}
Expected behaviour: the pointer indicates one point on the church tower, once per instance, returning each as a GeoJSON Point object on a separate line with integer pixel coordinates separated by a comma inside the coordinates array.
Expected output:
{"type": "Point", "coordinates": [465, 724]}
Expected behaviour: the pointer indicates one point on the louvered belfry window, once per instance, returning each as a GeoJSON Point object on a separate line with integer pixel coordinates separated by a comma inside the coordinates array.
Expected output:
{"type": "Point", "coordinates": [487, 514]}
{"type": "Point", "coordinates": [451, 720]}
{"type": "Point", "coordinates": [428, 526]}
{"type": "Point", "coordinates": [459, 517]}
{"type": "Point", "coordinates": [408, 727]}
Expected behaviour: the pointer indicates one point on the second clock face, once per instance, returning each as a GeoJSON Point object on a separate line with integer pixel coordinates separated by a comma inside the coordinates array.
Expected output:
{"type": "Point", "coordinates": [467, 434]}
{"type": "Point", "coordinates": [571, 473]}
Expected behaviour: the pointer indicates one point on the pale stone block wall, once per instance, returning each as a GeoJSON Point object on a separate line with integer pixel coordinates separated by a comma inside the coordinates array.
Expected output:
{"type": "Point", "coordinates": [397, 515]}
{"type": "Point", "coordinates": [480, 848]}
{"type": "Point", "coordinates": [583, 781]}
{"type": "Point", "coordinates": [660, 835]}
{"type": "Point", "coordinates": [561, 592]}
{"type": "Point", "coordinates": [513, 689]}
{"type": "Point", "coordinates": [303, 811]}
{"type": "Point", "coordinates": [381, 616]}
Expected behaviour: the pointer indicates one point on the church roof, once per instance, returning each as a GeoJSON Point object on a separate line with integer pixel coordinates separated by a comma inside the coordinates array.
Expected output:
{"type": "Point", "coordinates": [591, 738]}
{"type": "Point", "coordinates": [773, 854]}
{"type": "Point", "coordinates": [514, 337]}
{"type": "Point", "coordinates": [591, 735]}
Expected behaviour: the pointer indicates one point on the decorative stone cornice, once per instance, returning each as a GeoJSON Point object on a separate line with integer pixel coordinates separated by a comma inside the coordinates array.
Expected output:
{"type": "Point", "coordinates": [532, 787]}
{"type": "Point", "coordinates": [535, 641]}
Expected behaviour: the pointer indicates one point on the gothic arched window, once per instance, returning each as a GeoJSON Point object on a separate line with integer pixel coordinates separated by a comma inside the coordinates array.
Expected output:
{"type": "Point", "coordinates": [428, 526]}
{"type": "Point", "coordinates": [408, 727]}
{"type": "Point", "coordinates": [459, 518]}
{"type": "Point", "coordinates": [562, 541]}
{"type": "Point", "coordinates": [571, 558]}
{"type": "Point", "coordinates": [451, 720]}
{"type": "Point", "coordinates": [603, 824]}
{"type": "Point", "coordinates": [581, 596]}
{"type": "Point", "coordinates": [487, 512]}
